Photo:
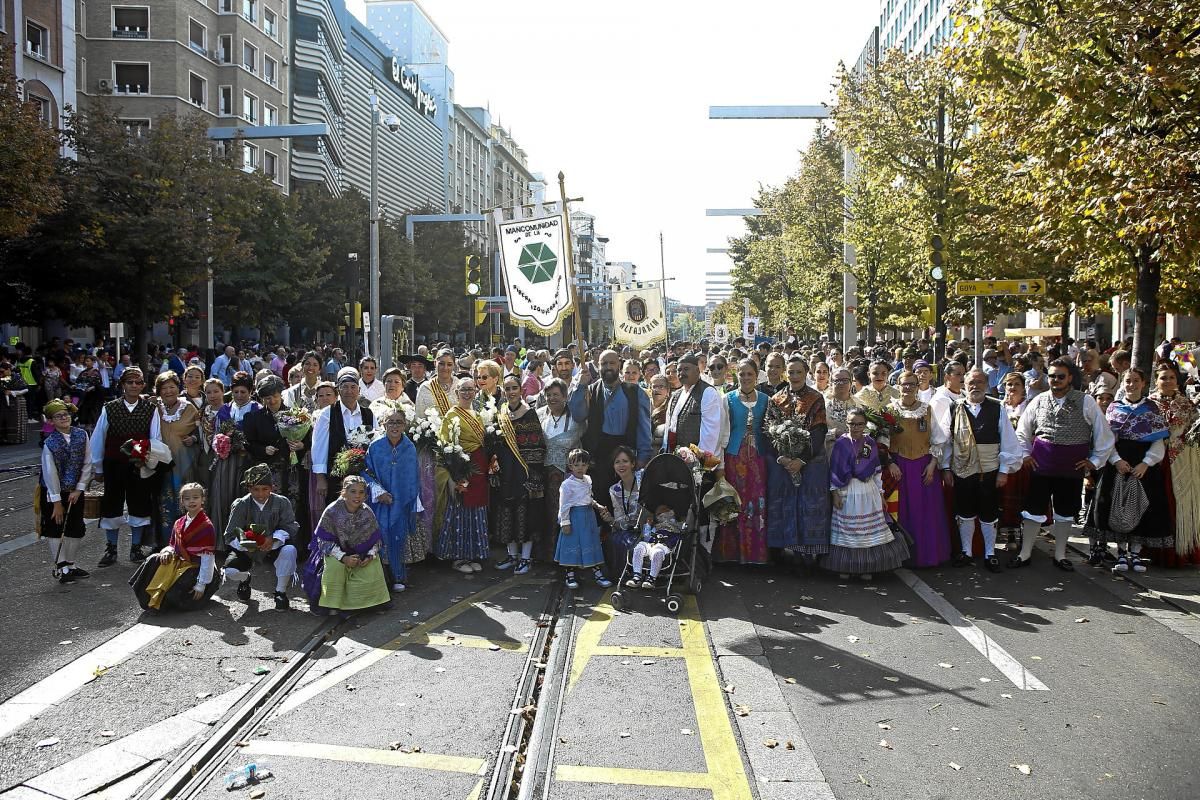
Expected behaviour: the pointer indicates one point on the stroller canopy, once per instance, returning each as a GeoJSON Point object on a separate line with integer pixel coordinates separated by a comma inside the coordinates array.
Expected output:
{"type": "Point", "coordinates": [667, 480]}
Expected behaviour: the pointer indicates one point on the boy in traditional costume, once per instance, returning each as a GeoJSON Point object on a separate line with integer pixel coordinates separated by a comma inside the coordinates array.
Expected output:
{"type": "Point", "coordinates": [66, 470]}
{"type": "Point", "coordinates": [261, 522]}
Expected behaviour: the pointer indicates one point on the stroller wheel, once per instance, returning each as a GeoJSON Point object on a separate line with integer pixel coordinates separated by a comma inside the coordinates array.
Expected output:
{"type": "Point", "coordinates": [674, 602]}
{"type": "Point", "coordinates": [697, 584]}
{"type": "Point", "coordinates": [617, 600]}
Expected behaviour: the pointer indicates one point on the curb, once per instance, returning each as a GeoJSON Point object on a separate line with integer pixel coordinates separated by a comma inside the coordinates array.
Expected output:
{"type": "Point", "coordinates": [1131, 579]}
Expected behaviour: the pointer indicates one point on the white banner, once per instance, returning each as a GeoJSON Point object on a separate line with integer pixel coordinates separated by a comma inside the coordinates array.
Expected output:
{"type": "Point", "coordinates": [638, 318]}
{"type": "Point", "coordinates": [533, 260]}
{"type": "Point", "coordinates": [750, 329]}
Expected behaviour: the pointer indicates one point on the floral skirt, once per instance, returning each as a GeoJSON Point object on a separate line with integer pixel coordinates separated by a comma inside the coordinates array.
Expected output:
{"type": "Point", "coordinates": [464, 534]}
{"type": "Point", "coordinates": [744, 540]}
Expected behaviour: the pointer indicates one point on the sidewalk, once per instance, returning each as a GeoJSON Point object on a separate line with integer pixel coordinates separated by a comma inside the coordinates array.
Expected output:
{"type": "Point", "coordinates": [19, 455]}
{"type": "Point", "coordinates": [1179, 587]}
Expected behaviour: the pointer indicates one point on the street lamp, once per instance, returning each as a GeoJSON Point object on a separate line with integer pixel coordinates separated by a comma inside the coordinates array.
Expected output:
{"type": "Point", "coordinates": [393, 125]}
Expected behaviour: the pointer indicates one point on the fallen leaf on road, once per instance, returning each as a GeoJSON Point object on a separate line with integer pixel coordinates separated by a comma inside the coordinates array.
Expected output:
{"type": "Point", "coordinates": [624, 734]}
{"type": "Point", "coordinates": [1158, 702]}
{"type": "Point", "coordinates": [955, 729]}
{"type": "Point", "coordinates": [647, 662]}
{"type": "Point", "coordinates": [53, 740]}
{"type": "Point", "coordinates": [108, 733]}
{"type": "Point", "coordinates": [728, 688]}
{"type": "Point", "coordinates": [66, 641]}
{"type": "Point", "coordinates": [789, 745]}
{"type": "Point", "coordinates": [439, 669]}
{"type": "Point", "coordinates": [241, 743]}
{"type": "Point", "coordinates": [1053, 589]}
{"type": "Point", "coordinates": [954, 766]}
{"type": "Point", "coordinates": [883, 726]}
{"type": "Point", "coordinates": [139, 673]}
{"type": "Point", "coordinates": [1122, 633]}
{"type": "Point", "coordinates": [885, 744]}
{"type": "Point", "coordinates": [203, 695]}
{"type": "Point", "coordinates": [493, 647]}
{"type": "Point", "coordinates": [863, 780]}
{"type": "Point", "coordinates": [257, 793]}
{"type": "Point", "coordinates": [945, 665]}
{"type": "Point", "coordinates": [933, 707]}
{"type": "Point", "coordinates": [98, 671]}
{"type": "Point", "coordinates": [852, 639]}
{"type": "Point", "coordinates": [1022, 768]}
{"type": "Point", "coordinates": [686, 731]}
{"type": "Point", "coordinates": [742, 711]}
{"type": "Point", "coordinates": [891, 678]}
{"type": "Point", "coordinates": [1036, 658]}
{"type": "Point", "coordinates": [1082, 619]}
{"type": "Point", "coordinates": [805, 597]}
{"type": "Point", "coordinates": [789, 680]}
{"type": "Point", "coordinates": [770, 743]}
{"type": "Point", "coordinates": [1007, 696]}
{"type": "Point", "coordinates": [985, 680]}
{"type": "Point", "coordinates": [350, 687]}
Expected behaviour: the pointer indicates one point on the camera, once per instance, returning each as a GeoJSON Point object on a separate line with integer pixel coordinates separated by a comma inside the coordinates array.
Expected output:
{"type": "Point", "coordinates": [393, 122]}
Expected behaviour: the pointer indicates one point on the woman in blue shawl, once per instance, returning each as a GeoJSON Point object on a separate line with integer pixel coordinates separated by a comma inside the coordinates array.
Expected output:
{"type": "Point", "coordinates": [391, 473]}
{"type": "Point", "coordinates": [1141, 433]}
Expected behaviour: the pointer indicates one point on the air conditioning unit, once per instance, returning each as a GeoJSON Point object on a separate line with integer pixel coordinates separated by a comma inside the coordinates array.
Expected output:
{"type": "Point", "coordinates": [105, 85]}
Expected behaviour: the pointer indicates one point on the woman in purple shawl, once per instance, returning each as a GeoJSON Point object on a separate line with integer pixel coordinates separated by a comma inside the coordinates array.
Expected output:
{"type": "Point", "coordinates": [343, 571]}
{"type": "Point", "coordinates": [861, 541]}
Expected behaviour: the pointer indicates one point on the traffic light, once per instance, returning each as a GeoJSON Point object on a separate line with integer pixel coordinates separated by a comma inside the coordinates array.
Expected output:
{"type": "Point", "coordinates": [480, 314]}
{"type": "Point", "coordinates": [472, 278]}
{"type": "Point", "coordinates": [936, 245]}
{"type": "Point", "coordinates": [177, 306]}
{"type": "Point", "coordinates": [929, 312]}
{"type": "Point", "coordinates": [346, 317]}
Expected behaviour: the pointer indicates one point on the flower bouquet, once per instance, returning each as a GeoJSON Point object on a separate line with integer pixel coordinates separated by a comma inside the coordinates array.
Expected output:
{"type": "Point", "coordinates": [228, 439]}
{"type": "Point", "coordinates": [136, 450]}
{"type": "Point", "coordinates": [452, 456]}
{"type": "Point", "coordinates": [293, 424]}
{"type": "Point", "coordinates": [350, 461]}
{"type": "Point", "coordinates": [881, 423]}
{"type": "Point", "coordinates": [360, 437]}
{"type": "Point", "coordinates": [424, 433]}
{"type": "Point", "coordinates": [791, 440]}
{"type": "Point", "coordinates": [253, 538]}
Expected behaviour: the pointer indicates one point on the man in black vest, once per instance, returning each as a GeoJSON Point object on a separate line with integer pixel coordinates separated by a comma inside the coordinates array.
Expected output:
{"type": "Point", "coordinates": [979, 449]}
{"type": "Point", "coordinates": [330, 426]}
{"type": "Point", "coordinates": [616, 414]}
{"type": "Point", "coordinates": [694, 411]}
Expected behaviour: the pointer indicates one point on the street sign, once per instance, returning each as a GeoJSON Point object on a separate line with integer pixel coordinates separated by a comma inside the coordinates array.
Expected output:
{"type": "Point", "coordinates": [366, 326]}
{"type": "Point", "coordinates": [116, 330]}
{"type": "Point", "coordinates": [981, 288]}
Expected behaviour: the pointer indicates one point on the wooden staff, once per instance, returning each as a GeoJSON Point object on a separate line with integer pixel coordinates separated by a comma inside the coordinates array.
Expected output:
{"type": "Point", "coordinates": [570, 254]}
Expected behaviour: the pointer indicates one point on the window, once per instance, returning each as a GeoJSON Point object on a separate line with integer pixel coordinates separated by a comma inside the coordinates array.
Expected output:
{"type": "Point", "coordinates": [270, 23]}
{"type": "Point", "coordinates": [42, 104]}
{"type": "Point", "coordinates": [130, 22]}
{"type": "Point", "coordinates": [250, 10]}
{"type": "Point", "coordinates": [37, 41]}
{"type": "Point", "coordinates": [226, 6]}
{"type": "Point", "coordinates": [249, 55]}
{"type": "Point", "coordinates": [270, 115]}
{"type": "Point", "coordinates": [249, 157]}
{"type": "Point", "coordinates": [81, 21]}
{"type": "Point", "coordinates": [226, 101]}
{"type": "Point", "coordinates": [136, 127]}
{"type": "Point", "coordinates": [250, 108]}
{"type": "Point", "coordinates": [131, 78]}
{"type": "Point", "coordinates": [197, 90]}
{"type": "Point", "coordinates": [197, 37]}
{"type": "Point", "coordinates": [271, 165]}
{"type": "Point", "coordinates": [270, 70]}
{"type": "Point", "coordinates": [225, 49]}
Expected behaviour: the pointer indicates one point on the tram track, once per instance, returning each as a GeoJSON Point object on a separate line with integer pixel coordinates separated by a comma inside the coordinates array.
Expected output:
{"type": "Point", "coordinates": [526, 738]}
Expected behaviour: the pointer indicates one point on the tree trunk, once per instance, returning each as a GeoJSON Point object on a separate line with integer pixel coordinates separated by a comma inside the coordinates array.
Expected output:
{"type": "Point", "coordinates": [1064, 327]}
{"type": "Point", "coordinates": [1145, 315]}
{"type": "Point", "coordinates": [141, 341]}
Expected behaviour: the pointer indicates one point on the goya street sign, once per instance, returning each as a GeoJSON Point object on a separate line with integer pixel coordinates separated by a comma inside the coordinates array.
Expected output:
{"type": "Point", "coordinates": [1024, 286]}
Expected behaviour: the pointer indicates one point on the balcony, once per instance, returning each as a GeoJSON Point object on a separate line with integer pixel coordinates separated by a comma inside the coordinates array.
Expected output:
{"type": "Point", "coordinates": [128, 88]}
{"type": "Point", "coordinates": [130, 33]}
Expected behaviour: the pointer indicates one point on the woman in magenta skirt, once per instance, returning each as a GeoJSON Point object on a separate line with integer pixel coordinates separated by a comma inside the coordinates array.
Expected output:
{"type": "Point", "coordinates": [922, 510]}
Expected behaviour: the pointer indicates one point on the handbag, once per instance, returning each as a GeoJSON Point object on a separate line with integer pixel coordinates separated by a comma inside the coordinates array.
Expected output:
{"type": "Point", "coordinates": [1127, 503]}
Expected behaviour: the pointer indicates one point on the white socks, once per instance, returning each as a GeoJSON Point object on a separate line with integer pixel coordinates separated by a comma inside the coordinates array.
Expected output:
{"type": "Point", "coordinates": [65, 555]}
{"type": "Point", "coordinates": [989, 538]}
{"type": "Point", "coordinates": [1029, 534]}
{"type": "Point", "coordinates": [1061, 531]}
{"type": "Point", "coordinates": [526, 550]}
{"type": "Point", "coordinates": [966, 533]}
{"type": "Point", "coordinates": [512, 549]}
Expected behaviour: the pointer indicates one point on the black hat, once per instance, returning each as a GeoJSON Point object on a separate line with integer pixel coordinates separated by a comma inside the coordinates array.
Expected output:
{"type": "Point", "coordinates": [408, 358]}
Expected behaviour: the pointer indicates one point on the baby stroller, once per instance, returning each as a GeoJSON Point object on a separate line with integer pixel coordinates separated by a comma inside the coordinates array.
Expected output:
{"type": "Point", "coordinates": [668, 481]}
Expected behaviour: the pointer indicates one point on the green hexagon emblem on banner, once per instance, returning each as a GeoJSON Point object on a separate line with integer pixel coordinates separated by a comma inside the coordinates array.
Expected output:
{"type": "Point", "coordinates": [537, 262]}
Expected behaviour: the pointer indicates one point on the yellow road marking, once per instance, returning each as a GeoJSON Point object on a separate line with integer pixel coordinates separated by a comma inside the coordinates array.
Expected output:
{"type": "Point", "coordinates": [418, 635]}
{"type": "Point", "coordinates": [721, 753]}
{"type": "Point", "coordinates": [636, 650]}
{"type": "Point", "coordinates": [462, 640]}
{"type": "Point", "coordinates": [634, 777]}
{"type": "Point", "coordinates": [726, 775]}
{"type": "Point", "coordinates": [477, 791]}
{"type": "Point", "coordinates": [588, 638]}
{"type": "Point", "coordinates": [367, 755]}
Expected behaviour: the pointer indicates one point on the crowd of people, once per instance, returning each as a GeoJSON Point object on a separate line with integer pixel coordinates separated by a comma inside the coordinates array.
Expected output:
{"type": "Point", "coordinates": [342, 475]}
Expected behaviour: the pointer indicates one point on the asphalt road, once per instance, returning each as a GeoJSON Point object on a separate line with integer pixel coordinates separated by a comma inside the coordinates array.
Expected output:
{"type": "Point", "coordinates": [773, 685]}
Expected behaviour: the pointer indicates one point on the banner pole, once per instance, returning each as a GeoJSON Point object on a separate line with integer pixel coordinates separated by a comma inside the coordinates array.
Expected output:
{"type": "Point", "coordinates": [570, 254]}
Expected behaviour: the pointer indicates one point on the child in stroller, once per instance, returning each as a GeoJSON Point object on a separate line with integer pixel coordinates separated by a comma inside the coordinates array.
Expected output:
{"type": "Point", "coordinates": [658, 541]}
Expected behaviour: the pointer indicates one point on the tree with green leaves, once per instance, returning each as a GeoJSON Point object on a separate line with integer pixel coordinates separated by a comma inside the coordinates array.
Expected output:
{"type": "Point", "coordinates": [28, 159]}
{"type": "Point", "coordinates": [1098, 99]}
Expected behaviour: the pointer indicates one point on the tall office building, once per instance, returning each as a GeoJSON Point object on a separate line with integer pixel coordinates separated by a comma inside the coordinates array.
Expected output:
{"type": "Point", "coordinates": [223, 59]}
{"type": "Point", "coordinates": [338, 64]}
{"type": "Point", "coordinates": [40, 36]}
{"type": "Point", "coordinates": [914, 26]}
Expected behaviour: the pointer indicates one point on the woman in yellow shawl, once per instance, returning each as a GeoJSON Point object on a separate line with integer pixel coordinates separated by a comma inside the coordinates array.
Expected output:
{"type": "Point", "coordinates": [464, 534]}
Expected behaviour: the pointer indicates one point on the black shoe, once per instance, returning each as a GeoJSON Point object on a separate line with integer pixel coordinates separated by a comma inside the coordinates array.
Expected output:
{"type": "Point", "coordinates": [1096, 558]}
{"type": "Point", "coordinates": [110, 555]}
{"type": "Point", "coordinates": [80, 573]}
{"type": "Point", "coordinates": [1065, 565]}
{"type": "Point", "coordinates": [243, 591]}
{"type": "Point", "coordinates": [993, 564]}
{"type": "Point", "coordinates": [1016, 562]}
{"type": "Point", "coordinates": [281, 601]}
{"type": "Point", "coordinates": [137, 554]}
{"type": "Point", "coordinates": [963, 560]}
{"type": "Point", "coordinates": [66, 575]}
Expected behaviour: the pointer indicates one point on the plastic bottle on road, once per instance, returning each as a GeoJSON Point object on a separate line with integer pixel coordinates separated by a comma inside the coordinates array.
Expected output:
{"type": "Point", "coordinates": [252, 773]}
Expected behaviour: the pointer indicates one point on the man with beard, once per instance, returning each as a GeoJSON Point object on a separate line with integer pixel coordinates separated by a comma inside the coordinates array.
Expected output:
{"type": "Point", "coordinates": [616, 414]}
